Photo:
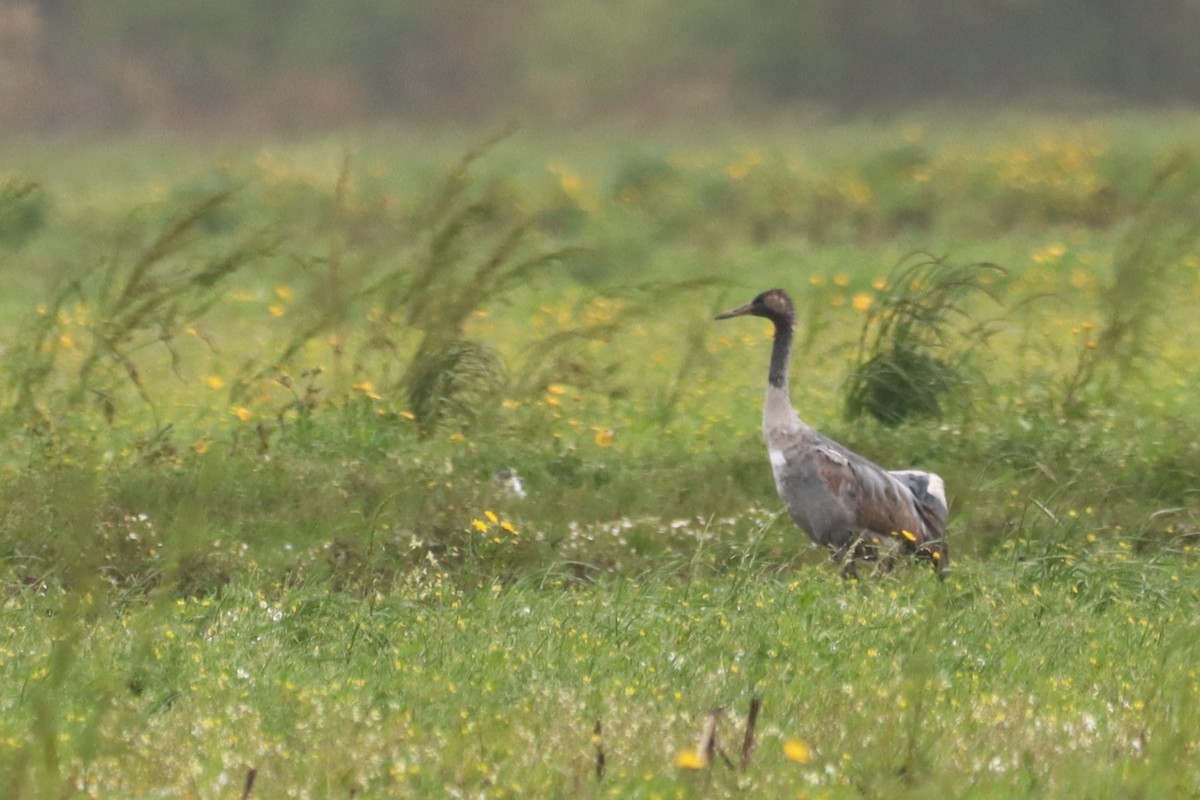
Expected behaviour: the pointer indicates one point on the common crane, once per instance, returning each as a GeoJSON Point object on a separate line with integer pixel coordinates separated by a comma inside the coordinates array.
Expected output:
{"type": "Point", "coordinates": [842, 501]}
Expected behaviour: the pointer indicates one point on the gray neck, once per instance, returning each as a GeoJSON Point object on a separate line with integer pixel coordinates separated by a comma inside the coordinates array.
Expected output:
{"type": "Point", "coordinates": [779, 418]}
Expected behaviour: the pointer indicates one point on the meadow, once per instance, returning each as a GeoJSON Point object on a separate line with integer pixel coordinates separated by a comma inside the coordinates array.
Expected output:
{"type": "Point", "coordinates": [255, 396]}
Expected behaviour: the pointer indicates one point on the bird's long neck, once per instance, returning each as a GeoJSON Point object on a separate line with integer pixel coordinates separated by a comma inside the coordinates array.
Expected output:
{"type": "Point", "coordinates": [778, 415]}
{"type": "Point", "coordinates": [781, 354]}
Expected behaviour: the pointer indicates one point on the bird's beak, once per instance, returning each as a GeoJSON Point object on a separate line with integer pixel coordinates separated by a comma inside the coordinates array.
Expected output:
{"type": "Point", "coordinates": [736, 312]}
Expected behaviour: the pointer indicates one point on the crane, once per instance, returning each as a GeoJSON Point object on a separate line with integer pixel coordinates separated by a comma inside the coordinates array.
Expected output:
{"type": "Point", "coordinates": [847, 503]}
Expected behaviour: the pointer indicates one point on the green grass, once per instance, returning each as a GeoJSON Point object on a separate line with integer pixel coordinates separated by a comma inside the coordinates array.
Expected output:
{"type": "Point", "coordinates": [249, 523]}
{"type": "Point", "coordinates": [1011, 679]}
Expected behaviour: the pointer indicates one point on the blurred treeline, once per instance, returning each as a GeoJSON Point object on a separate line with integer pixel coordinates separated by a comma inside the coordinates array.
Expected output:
{"type": "Point", "coordinates": [120, 63]}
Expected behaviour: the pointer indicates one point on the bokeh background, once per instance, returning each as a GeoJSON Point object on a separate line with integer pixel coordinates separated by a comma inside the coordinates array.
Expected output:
{"type": "Point", "coordinates": [311, 64]}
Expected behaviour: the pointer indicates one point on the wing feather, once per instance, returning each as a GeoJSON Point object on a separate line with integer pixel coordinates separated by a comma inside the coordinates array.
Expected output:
{"type": "Point", "coordinates": [857, 496]}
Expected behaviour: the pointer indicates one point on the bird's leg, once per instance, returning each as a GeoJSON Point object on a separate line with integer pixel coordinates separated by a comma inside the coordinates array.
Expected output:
{"type": "Point", "coordinates": [941, 560]}
{"type": "Point", "coordinates": [939, 553]}
{"type": "Point", "coordinates": [844, 555]}
{"type": "Point", "coordinates": [888, 551]}
{"type": "Point", "coordinates": [867, 547]}
{"type": "Point", "coordinates": [850, 569]}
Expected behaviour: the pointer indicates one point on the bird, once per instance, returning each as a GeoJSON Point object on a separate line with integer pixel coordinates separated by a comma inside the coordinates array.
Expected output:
{"type": "Point", "coordinates": [843, 501]}
{"type": "Point", "coordinates": [508, 480]}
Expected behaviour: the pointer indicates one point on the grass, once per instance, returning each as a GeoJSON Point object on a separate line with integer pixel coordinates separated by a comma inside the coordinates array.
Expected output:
{"type": "Point", "coordinates": [253, 405]}
{"type": "Point", "coordinates": [1001, 683]}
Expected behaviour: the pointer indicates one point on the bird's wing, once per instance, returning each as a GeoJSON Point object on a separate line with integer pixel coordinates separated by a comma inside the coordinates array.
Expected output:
{"type": "Point", "coordinates": [883, 502]}
{"type": "Point", "coordinates": [907, 505]}
{"type": "Point", "coordinates": [928, 489]}
{"type": "Point", "coordinates": [929, 492]}
{"type": "Point", "coordinates": [833, 468]}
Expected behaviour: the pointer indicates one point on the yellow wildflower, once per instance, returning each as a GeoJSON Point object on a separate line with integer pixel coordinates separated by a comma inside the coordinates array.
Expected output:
{"type": "Point", "coordinates": [571, 183]}
{"type": "Point", "coordinates": [797, 750]}
{"type": "Point", "coordinates": [367, 388]}
{"type": "Point", "coordinates": [861, 301]}
{"type": "Point", "coordinates": [1050, 253]}
{"type": "Point", "coordinates": [479, 525]}
{"type": "Point", "coordinates": [690, 759]}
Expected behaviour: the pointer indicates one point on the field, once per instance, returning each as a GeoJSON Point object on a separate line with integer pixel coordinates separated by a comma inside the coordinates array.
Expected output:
{"type": "Point", "coordinates": [256, 396]}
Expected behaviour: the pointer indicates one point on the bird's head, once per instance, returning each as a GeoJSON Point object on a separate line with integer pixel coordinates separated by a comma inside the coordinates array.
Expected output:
{"type": "Point", "coordinates": [774, 304]}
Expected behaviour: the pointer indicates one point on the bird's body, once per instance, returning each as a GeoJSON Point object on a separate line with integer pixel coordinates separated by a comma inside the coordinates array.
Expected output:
{"type": "Point", "coordinates": [840, 499]}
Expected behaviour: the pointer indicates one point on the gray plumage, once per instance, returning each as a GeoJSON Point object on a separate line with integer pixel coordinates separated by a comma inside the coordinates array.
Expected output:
{"type": "Point", "coordinates": [854, 507]}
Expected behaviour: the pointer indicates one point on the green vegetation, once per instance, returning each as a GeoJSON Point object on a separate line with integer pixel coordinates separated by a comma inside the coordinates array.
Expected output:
{"type": "Point", "coordinates": [899, 372]}
{"type": "Point", "coordinates": [254, 400]}
{"type": "Point", "coordinates": [259, 63]}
